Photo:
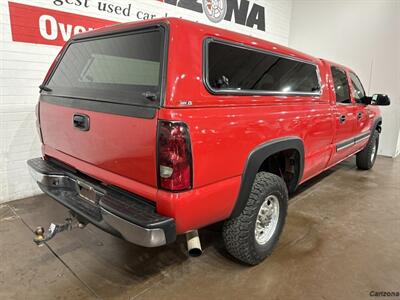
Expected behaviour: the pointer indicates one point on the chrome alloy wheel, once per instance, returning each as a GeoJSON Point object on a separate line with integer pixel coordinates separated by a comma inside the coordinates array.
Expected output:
{"type": "Point", "coordinates": [267, 220]}
{"type": "Point", "coordinates": [373, 152]}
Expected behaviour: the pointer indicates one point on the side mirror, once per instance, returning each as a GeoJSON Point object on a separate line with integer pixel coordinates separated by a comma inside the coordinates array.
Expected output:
{"type": "Point", "coordinates": [380, 99]}
{"type": "Point", "coordinates": [365, 100]}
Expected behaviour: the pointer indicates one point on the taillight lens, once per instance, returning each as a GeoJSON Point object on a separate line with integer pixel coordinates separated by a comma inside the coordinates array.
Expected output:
{"type": "Point", "coordinates": [174, 156]}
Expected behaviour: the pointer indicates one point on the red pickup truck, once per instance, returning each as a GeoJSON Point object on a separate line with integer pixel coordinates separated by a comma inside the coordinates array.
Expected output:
{"type": "Point", "coordinates": [158, 128]}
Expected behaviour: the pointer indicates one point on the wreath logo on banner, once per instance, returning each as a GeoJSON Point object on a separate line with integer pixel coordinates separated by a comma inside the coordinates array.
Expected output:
{"type": "Point", "coordinates": [215, 10]}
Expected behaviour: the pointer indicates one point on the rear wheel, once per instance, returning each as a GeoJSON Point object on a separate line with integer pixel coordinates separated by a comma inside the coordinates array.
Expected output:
{"type": "Point", "coordinates": [252, 235]}
{"type": "Point", "coordinates": [365, 159]}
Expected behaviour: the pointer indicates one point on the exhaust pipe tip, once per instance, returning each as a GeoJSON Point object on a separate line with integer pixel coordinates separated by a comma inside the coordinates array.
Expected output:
{"type": "Point", "coordinates": [193, 243]}
{"type": "Point", "coordinates": [195, 252]}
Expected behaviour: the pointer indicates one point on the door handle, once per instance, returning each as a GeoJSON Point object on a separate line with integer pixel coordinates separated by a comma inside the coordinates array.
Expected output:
{"type": "Point", "coordinates": [342, 119]}
{"type": "Point", "coordinates": [359, 115]}
{"type": "Point", "coordinates": [81, 122]}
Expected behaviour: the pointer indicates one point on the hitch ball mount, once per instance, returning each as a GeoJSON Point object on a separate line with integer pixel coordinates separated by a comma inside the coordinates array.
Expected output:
{"type": "Point", "coordinates": [70, 223]}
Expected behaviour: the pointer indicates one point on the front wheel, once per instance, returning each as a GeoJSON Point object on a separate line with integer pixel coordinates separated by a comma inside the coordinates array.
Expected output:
{"type": "Point", "coordinates": [252, 235]}
{"type": "Point", "coordinates": [365, 159]}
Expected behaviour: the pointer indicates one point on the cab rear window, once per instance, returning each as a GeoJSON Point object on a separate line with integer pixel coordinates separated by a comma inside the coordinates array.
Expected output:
{"type": "Point", "coordinates": [123, 69]}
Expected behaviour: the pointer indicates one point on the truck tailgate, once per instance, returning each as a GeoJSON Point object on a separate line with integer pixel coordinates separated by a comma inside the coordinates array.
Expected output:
{"type": "Point", "coordinates": [123, 145]}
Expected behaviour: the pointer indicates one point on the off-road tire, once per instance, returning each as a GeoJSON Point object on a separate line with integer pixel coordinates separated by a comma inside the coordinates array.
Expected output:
{"type": "Point", "coordinates": [363, 158]}
{"type": "Point", "coordinates": [239, 232]}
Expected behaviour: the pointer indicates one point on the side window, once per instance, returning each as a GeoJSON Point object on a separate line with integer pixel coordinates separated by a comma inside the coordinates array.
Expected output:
{"type": "Point", "coordinates": [341, 84]}
{"type": "Point", "coordinates": [358, 89]}
{"type": "Point", "coordinates": [233, 68]}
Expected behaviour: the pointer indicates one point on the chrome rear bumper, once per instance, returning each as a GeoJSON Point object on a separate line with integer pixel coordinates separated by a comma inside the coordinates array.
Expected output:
{"type": "Point", "coordinates": [118, 213]}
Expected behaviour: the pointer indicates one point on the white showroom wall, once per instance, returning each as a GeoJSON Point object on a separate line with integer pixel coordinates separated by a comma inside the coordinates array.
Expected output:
{"type": "Point", "coordinates": [363, 35]}
{"type": "Point", "coordinates": [26, 54]}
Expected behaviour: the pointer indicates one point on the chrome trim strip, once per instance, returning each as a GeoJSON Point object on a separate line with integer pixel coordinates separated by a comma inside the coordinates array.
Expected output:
{"type": "Point", "coordinates": [352, 141]}
{"type": "Point", "coordinates": [134, 233]}
{"type": "Point", "coordinates": [362, 136]}
{"type": "Point", "coordinates": [347, 145]}
{"type": "Point", "coordinates": [362, 139]}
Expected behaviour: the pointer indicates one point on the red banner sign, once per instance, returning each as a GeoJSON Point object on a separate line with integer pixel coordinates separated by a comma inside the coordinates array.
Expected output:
{"type": "Point", "coordinates": [32, 24]}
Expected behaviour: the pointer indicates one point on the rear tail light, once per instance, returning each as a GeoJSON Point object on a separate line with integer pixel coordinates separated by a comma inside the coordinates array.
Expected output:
{"type": "Point", "coordinates": [174, 156]}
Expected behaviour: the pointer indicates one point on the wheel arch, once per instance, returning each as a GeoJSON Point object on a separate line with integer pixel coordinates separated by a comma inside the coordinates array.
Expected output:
{"type": "Point", "coordinates": [255, 160]}
{"type": "Point", "coordinates": [377, 125]}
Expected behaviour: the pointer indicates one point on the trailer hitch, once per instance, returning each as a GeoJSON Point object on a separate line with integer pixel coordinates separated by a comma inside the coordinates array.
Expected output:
{"type": "Point", "coordinates": [70, 223]}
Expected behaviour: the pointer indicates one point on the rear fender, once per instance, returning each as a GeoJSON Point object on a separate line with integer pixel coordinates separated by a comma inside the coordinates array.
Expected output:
{"type": "Point", "coordinates": [255, 160]}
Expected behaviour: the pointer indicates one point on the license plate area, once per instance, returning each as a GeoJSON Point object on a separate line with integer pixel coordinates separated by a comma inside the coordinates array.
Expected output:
{"type": "Point", "coordinates": [87, 192]}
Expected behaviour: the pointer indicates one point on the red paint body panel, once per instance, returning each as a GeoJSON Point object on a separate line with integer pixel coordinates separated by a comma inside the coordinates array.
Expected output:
{"type": "Point", "coordinates": [223, 138]}
{"type": "Point", "coordinates": [105, 176]}
{"type": "Point", "coordinates": [201, 206]}
{"type": "Point", "coordinates": [121, 150]}
{"type": "Point", "coordinates": [118, 144]}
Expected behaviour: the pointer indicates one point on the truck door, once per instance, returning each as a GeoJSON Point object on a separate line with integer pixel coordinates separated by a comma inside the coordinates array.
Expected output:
{"type": "Point", "coordinates": [345, 118]}
{"type": "Point", "coordinates": [363, 123]}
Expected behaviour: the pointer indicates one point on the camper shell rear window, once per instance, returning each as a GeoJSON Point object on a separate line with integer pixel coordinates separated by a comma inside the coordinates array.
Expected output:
{"type": "Point", "coordinates": [125, 68]}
